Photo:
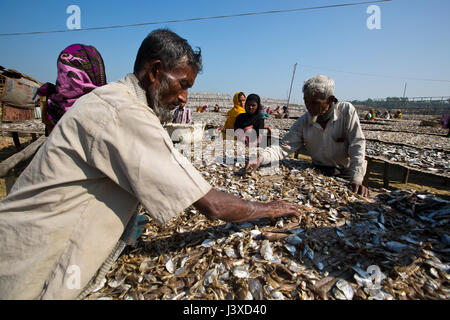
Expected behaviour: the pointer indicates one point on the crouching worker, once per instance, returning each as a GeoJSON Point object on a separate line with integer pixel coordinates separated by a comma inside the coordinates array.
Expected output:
{"type": "Point", "coordinates": [331, 133]}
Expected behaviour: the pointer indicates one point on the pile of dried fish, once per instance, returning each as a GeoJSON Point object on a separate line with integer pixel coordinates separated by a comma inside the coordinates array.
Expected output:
{"type": "Point", "coordinates": [412, 139]}
{"type": "Point", "coordinates": [343, 246]}
{"type": "Point", "coordinates": [430, 160]}
{"type": "Point", "coordinates": [413, 148]}
{"type": "Point", "coordinates": [402, 125]}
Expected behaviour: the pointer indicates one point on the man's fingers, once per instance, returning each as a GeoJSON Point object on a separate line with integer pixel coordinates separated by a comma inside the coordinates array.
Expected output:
{"type": "Point", "coordinates": [252, 165]}
{"type": "Point", "coordinates": [366, 192]}
{"type": "Point", "coordinates": [361, 190]}
{"type": "Point", "coordinates": [286, 208]}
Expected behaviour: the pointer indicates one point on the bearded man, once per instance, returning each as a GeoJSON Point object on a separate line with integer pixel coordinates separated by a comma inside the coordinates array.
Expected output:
{"type": "Point", "coordinates": [109, 152]}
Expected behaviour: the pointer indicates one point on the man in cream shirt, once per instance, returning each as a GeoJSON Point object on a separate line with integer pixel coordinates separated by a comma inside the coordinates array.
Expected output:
{"type": "Point", "coordinates": [109, 152]}
{"type": "Point", "coordinates": [331, 133]}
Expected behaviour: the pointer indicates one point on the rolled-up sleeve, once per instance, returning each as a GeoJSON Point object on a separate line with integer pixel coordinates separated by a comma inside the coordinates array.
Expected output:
{"type": "Point", "coordinates": [136, 152]}
{"type": "Point", "coordinates": [356, 148]}
{"type": "Point", "coordinates": [291, 142]}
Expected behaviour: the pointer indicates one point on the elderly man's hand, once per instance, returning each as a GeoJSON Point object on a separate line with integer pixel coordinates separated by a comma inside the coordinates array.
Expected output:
{"type": "Point", "coordinates": [253, 165]}
{"type": "Point", "coordinates": [360, 189]}
{"type": "Point", "coordinates": [281, 208]}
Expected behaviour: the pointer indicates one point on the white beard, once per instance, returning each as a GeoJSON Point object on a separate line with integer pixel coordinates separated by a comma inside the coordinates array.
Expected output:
{"type": "Point", "coordinates": [161, 111]}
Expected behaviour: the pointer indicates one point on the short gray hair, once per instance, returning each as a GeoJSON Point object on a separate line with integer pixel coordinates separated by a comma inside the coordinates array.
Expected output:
{"type": "Point", "coordinates": [319, 84]}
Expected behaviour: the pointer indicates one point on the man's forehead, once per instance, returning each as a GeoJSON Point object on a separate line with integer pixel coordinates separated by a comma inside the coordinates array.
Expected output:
{"type": "Point", "coordinates": [315, 95]}
{"type": "Point", "coordinates": [183, 70]}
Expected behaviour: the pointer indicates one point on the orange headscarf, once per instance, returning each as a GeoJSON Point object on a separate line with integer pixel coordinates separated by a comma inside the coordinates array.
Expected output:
{"type": "Point", "coordinates": [233, 113]}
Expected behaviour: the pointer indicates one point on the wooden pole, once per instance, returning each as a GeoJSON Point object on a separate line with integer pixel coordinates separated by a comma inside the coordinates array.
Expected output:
{"type": "Point", "coordinates": [405, 175]}
{"type": "Point", "coordinates": [404, 92]}
{"type": "Point", "coordinates": [16, 140]}
{"type": "Point", "coordinates": [292, 81]}
{"type": "Point", "coordinates": [386, 175]}
{"type": "Point", "coordinates": [12, 161]}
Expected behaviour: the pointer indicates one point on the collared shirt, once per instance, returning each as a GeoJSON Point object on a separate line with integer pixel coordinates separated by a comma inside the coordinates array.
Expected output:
{"type": "Point", "coordinates": [70, 206]}
{"type": "Point", "coordinates": [341, 144]}
{"type": "Point", "coordinates": [182, 115]}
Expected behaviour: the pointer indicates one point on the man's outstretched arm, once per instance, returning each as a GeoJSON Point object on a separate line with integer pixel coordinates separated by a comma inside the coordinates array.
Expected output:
{"type": "Point", "coordinates": [220, 205]}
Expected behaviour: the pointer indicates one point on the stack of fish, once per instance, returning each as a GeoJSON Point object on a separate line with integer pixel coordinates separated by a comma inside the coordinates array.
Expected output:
{"type": "Point", "coordinates": [393, 246]}
{"type": "Point", "coordinates": [410, 139]}
{"type": "Point", "coordinates": [426, 159]}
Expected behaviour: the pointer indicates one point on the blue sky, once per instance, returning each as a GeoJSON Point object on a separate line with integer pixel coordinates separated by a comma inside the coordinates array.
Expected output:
{"type": "Point", "coordinates": [255, 54]}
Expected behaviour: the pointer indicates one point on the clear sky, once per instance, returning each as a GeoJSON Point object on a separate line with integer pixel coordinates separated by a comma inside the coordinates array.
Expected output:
{"type": "Point", "coordinates": [255, 54]}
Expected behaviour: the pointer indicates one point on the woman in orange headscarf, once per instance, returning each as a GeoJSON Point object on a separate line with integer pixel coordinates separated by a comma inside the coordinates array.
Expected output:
{"type": "Point", "coordinates": [238, 108]}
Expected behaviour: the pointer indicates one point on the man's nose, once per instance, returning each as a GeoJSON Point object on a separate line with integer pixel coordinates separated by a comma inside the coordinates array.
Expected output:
{"type": "Point", "coordinates": [182, 97]}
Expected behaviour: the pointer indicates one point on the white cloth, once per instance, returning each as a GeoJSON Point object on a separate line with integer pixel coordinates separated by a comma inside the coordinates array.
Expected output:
{"type": "Point", "coordinates": [69, 207]}
{"type": "Point", "coordinates": [341, 144]}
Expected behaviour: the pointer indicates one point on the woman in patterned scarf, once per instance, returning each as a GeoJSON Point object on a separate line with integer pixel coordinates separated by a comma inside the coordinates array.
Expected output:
{"type": "Point", "coordinates": [80, 70]}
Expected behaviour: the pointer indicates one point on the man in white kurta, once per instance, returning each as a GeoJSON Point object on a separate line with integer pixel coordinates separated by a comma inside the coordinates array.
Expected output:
{"type": "Point", "coordinates": [330, 132]}
{"type": "Point", "coordinates": [70, 205]}
{"type": "Point", "coordinates": [341, 144]}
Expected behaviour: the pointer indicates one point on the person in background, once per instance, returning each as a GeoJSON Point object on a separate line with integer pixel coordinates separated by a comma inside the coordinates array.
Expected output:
{"type": "Point", "coordinates": [445, 123]}
{"type": "Point", "coordinates": [269, 110]}
{"type": "Point", "coordinates": [80, 70]}
{"type": "Point", "coordinates": [216, 108]}
{"type": "Point", "coordinates": [263, 112]}
{"type": "Point", "coordinates": [398, 114]}
{"type": "Point", "coordinates": [331, 133]}
{"type": "Point", "coordinates": [248, 125]}
{"type": "Point", "coordinates": [199, 109]}
{"type": "Point", "coordinates": [182, 114]}
{"type": "Point", "coordinates": [285, 112]}
{"type": "Point", "coordinates": [238, 108]}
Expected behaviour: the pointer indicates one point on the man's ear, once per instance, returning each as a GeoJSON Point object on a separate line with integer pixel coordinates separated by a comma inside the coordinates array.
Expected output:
{"type": "Point", "coordinates": [154, 71]}
{"type": "Point", "coordinates": [331, 99]}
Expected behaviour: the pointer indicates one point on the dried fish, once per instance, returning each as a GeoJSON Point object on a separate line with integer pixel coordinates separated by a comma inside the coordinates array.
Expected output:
{"type": "Point", "coordinates": [291, 248]}
{"type": "Point", "coordinates": [266, 250]}
{"type": "Point", "coordinates": [305, 257]}
{"type": "Point", "coordinates": [396, 246]}
{"type": "Point", "coordinates": [308, 252]}
{"type": "Point", "coordinates": [208, 243]}
{"type": "Point", "coordinates": [241, 271]}
{"type": "Point", "coordinates": [230, 252]}
{"type": "Point", "coordinates": [294, 240]}
{"type": "Point", "coordinates": [343, 290]}
{"type": "Point", "coordinates": [169, 266]}
{"type": "Point", "coordinates": [256, 289]}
